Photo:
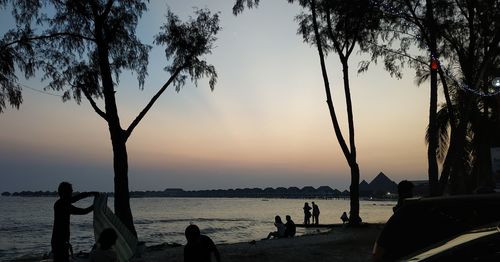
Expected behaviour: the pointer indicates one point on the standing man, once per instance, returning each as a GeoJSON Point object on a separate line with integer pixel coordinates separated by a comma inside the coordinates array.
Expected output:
{"type": "Point", "coordinates": [63, 208]}
{"type": "Point", "coordinates": [315, 213]}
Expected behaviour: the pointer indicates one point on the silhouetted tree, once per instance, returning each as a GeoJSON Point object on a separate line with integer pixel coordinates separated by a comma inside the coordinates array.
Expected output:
{"type": "Point", "coordinates": [336, 26]}
{"type": "Point", "coordinates": [413, 23]}
{"type": "Point", "coordinates": [82, 47]}
{"type": "Point", "coordinates": [472, 40]}
{"type": "Point", "coordinates": [462, 40]}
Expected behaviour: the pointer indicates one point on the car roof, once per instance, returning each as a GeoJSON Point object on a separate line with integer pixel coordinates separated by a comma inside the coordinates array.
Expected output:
{"type": "Point", "coordinates": [452, 243]}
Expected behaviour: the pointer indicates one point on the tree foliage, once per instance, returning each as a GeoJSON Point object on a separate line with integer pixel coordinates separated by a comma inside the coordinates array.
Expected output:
{"type": "Point", "coordinates": [465, 55]}
{"type": "Point", "coordinates": [82, 48]}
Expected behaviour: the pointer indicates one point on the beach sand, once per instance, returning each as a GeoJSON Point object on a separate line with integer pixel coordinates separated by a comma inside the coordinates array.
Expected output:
{"type": "Point", "coordinates": [336, 244]}
{"type": "Point", "coordinates": [339, 244]}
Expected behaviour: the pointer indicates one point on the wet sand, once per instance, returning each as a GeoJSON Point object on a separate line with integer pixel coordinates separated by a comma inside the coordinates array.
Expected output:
{"type": "Point", "coordinates": [339, 244]}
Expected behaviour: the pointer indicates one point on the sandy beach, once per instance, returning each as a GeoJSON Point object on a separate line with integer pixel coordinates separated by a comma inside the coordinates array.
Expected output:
{"type": "Point", "coordinates": [338, 244]}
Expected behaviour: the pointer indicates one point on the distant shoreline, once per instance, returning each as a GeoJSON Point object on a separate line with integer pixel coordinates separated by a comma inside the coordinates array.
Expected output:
{"type": "Point", "coordinates": [308, 192]}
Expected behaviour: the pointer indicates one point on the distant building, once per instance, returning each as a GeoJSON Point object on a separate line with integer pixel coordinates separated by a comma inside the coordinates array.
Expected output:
{"type": "Point", "coordinates": [364, 189]}
{"type": "Point", "coordinates": [380, 186]}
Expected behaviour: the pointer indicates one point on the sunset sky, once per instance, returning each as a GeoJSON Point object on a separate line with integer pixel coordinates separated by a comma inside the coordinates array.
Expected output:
{"type": "Point", "coordinates": [265, 124]}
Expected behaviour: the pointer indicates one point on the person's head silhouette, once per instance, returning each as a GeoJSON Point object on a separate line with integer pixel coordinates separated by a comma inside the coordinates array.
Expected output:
{"type": "Point", "coordinates": [65, 190]}
{"type": "Point", "coordinates": [288, 218]}
{"type": "Point", "coordinates": [192, 233]}
{"type": "Point", "coordinates": [107, 238]}
{"type": "Point", "coordinates": [405, 189]}
{"type": "Point", "coordinates": [277, 219]}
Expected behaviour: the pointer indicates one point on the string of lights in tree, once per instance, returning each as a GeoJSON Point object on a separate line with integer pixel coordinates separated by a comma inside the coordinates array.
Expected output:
{"type": "Point", "coordinates": [495, 83]}
{"type": "Point", "coordinates": [493, 90]}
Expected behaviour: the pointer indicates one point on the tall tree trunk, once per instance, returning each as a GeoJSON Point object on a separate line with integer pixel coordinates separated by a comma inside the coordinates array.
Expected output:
{"type": "Point", "coordinates": [120, 165]}
{"type": "Point", "coordinates": [456, 161]}
{"type": "Point", "coordinates": [118, 137]}
{"type": "Point", "coordinates": [355, 174]}
{"type": "Point", "coordinates": [445, 172]}
{"type": "Point", "coordinates": [354, 218]}
{"type": "Point", "coordinates": [354, 188]}
{"type": "Point", "coordinates": [433, 130]}
{"type": "Point", "coordinates": [433, 138]}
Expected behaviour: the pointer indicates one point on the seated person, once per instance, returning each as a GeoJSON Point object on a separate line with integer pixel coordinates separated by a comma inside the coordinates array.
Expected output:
{"type": "Point", "coordinates": [405, 190]}
{"type": "Point", "coordinates": [104, 253]}
{"type": "Point", "coordinates": [290, 228]}
{"type": "Point", "coordinates": [344, 218]}
{"type": "Point", "coordinates": [199, 248]}
{"type": "Point", "coordinates": [280, 232]}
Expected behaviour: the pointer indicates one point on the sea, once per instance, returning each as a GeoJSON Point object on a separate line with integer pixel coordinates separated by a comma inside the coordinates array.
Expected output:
{"type": "Point", "coordinates": [26, 222]}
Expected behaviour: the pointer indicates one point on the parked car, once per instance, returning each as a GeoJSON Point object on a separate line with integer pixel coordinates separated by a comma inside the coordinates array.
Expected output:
{"type": "Point", "coordinates": [422, 222]}
{"type": "Point", "coordinates": [482, 244]}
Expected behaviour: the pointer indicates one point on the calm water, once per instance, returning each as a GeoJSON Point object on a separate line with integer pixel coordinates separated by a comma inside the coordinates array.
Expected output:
{"type": "Point", "coordinates": [26, 223]}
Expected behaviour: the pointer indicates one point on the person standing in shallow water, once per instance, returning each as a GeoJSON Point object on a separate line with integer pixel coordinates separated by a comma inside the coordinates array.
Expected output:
{"type": "Point", "coordinates": [63, 208]}
{"type": "Point", "coordinates": [307, 214]}
{"type": "Point", "coordinates": [315, 214]}
{"type": "Point", "coordinates": [199, 248]}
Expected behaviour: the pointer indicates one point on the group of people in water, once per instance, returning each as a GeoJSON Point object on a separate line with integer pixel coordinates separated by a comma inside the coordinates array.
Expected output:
{"type": "Point", "coordinates": [308, 214]}
{"type": "Point", "coordinates": [289, 228]}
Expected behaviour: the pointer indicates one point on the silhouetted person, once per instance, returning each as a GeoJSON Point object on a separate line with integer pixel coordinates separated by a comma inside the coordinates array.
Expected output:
{"type": "Point", "coordinates": [290, 228]}
{"type": "Point", "coordinates": [307, 214]}
{"type": "Point", "coordinates": [199, 247]}
{"type": "Point", "coordinates": [405, 190]}
{"type": "Point", "coordinates": [103, 252]}
{"type": "Point", "coordinates": [63, 208]}
{"type": "Point", "coordinates": [280, 228]}
{"type": "Point", "coordinates": [344, 218]}
{"type": "Point", "coordinates": [315, 213]}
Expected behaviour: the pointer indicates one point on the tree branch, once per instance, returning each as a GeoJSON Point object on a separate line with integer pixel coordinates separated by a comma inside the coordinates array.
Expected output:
{"type": "Point", "coordinates": [151, 103]}
{"type": "Point", "coordinates": [93, 104]}
{"type": "Point", "coordinates": [385, 49]}
{"type": "Point", "coordinates": [335, 42]}
{"type": "Point", "coordinates": [42, 37]}
{"type": "Point", "coordinates": [329, 101]}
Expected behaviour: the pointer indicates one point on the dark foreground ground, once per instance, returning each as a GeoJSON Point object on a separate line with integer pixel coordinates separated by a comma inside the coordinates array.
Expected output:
{"type": "Point", "coordinates": [340, 244]}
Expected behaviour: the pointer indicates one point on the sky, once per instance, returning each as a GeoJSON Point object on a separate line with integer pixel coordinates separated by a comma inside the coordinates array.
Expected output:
{"type": "Point", "coordinates": [265, 124]}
